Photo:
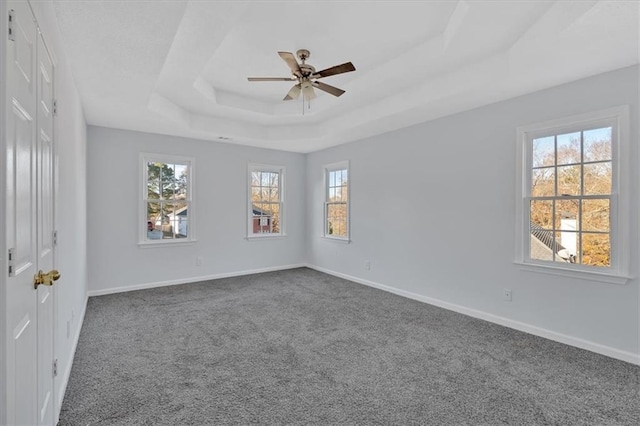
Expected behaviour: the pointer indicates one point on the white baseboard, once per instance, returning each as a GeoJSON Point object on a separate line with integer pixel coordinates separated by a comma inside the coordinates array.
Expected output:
{"type": "Point", "coordinates": [527, 328]}
{"type": "Point", "coordinates": [67, 372]}
{"type": "Point", "coordinates": [191, 280]}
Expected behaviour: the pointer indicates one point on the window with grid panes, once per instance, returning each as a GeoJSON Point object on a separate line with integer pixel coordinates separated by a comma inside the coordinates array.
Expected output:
{"type": "Point", "coordinates": [167, 201]}
{"type": "Point", "coordinates": [336, 206]}
{"type": "Point", "coordinates": [266, 201]}
{"type": "Point", "coordinates": [571, 193]}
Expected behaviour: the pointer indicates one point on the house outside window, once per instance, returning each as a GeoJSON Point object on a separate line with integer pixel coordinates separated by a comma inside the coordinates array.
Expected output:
{"type": "Point", "coordinates": [572, 212]}
{"type": "Point", "coordinates": [266, 201]}
{"type": "Point", "coordinates": [336, 205]}
{"type": "Point", "coordinates": [167, 204]}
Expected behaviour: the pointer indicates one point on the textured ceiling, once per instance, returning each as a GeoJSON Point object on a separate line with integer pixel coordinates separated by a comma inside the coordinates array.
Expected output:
{"type": "Point", "coordinates": [181, 67]}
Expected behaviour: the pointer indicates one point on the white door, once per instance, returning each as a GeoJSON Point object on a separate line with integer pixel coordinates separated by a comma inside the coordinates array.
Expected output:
{"type": "Point", "coordinates": [29, 219]}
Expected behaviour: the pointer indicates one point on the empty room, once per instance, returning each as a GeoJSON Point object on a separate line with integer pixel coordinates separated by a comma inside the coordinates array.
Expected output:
{"type": "Point", "coordinates": [320, 212]}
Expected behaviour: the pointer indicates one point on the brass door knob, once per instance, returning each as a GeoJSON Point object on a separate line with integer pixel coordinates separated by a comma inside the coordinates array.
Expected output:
{"type": "Point", "coordinates": [45, 279]}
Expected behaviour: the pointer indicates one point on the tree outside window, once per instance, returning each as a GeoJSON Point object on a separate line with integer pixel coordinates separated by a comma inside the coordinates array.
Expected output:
{"type": "Point", "coordinates": [266, 200]}
{"type": "Point", "coordinates": [167, 198]}
{"type": "Point", "coordinates": [336, 215]}
{"type": "Point", "coordinates": [570, 197]}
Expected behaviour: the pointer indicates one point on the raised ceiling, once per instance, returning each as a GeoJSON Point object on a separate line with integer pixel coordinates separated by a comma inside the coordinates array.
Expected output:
{"type": "Point", "coordinates": [180, 67]}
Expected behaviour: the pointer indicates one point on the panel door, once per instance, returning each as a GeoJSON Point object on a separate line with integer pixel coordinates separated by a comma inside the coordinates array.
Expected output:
{"type": "Point", "coordinates": [29, 227]}
{"type": "Point", "coordinates": [22, 330]}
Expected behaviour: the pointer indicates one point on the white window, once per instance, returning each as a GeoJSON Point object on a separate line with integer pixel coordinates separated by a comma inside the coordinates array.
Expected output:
{"type": "Point", "coordinates": [266, 201]}
{"type": "Point", "coordinates": [572, 213]}
{"type": "Point", "coordinates": [167, 204]}
{"type": "Point", "coordinates": [336, 205]}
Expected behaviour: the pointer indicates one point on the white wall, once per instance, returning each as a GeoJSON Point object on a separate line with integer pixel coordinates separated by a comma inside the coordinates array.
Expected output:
{"type": "Point", "coordinates": [433, 209]}
{"type": "Point", "coordinates": [118, 263]}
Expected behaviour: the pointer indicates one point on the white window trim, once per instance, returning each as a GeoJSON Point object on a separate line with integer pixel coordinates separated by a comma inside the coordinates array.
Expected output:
{"type": "Point", "coordinates": [266, 168]}
{"type": "Point", "coordinates": [143, 242]}
{"type": "Point", "coordinates": [618, 273]}
{"type": "Point", "coordinates": [341, 165]}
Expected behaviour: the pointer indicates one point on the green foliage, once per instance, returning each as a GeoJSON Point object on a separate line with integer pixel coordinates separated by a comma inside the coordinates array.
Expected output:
{"type": "Point", "coordinates": [164, 185]}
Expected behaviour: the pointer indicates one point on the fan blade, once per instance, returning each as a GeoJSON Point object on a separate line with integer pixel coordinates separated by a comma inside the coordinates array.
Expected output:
{"type": "Point", "coordinates": [291, 62]}
{"type": "Point", "coordinates": [338, 69]}
{"type": "Point", "coordinates": [270, 78]}
{"type": "Point", "coordinates": [293, 93]}
{"type": "Point", "coordinates": [327, 88]}
{"type": "Point", "coordinates": [308, 92]}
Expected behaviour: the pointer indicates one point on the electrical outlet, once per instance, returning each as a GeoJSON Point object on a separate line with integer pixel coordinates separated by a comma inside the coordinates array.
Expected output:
{"type": "Point", "coordinates": [367, 265]}
{"type": "Point", "coordinates": [506, 294]}
{"type": "Point", "coordinates": [199, 261]}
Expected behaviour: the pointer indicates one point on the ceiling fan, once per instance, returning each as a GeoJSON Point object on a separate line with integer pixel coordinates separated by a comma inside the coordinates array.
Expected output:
{"type": "Point", "coordinates": [306, 76]}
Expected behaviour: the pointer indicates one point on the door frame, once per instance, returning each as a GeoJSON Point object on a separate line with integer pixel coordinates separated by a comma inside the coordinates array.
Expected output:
{"type": "Point", "coordinates": [3, 199]}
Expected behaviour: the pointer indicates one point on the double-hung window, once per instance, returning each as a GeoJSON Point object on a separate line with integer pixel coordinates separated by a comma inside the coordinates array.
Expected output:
{"type": "Point", "coordinates": [336, 205]}
{"type": "Point", "coordinates": [572, 212]}
{"type": "Point", "coordinates": [167, 203]}
{"type": "Point", "coordinates": [266, 201]}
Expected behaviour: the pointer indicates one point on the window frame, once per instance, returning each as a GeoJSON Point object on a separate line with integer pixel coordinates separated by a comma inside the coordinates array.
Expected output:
{"type": "Point", "coordinates": [328, 168]}
{"type": "Point", "coordinates": [190, 162]}
{"type": "Point", "coordinates": [255, 167]}
{"type": "Point", "coordinates": [618, 119]}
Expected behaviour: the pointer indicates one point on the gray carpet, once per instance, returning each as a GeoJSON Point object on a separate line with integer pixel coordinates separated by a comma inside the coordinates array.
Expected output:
{"type": "Point", "coordinates": [302, 347]}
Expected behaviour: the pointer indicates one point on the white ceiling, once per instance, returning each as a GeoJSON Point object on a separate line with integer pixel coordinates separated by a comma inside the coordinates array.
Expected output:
{"type": "Point", "coordinates": [181, 67]}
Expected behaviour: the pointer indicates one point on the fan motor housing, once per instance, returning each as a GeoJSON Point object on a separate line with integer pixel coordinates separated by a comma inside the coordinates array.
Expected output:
{"type": "Point", "coordinates": [307, 69]}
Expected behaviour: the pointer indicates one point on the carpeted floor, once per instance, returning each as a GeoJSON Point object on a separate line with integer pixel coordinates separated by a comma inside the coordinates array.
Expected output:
{"type": "Point", "coordinates": [302, 347]}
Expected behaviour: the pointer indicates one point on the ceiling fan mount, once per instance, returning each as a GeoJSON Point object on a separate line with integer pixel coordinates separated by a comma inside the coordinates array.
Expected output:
{"type": "Point", "coordinates": [303, 54]}
{"type": "Point", "coordinates": [306, 76]}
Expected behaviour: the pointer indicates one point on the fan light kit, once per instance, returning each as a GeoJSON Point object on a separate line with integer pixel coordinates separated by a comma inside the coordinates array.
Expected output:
{"type": "Point", "coordinates": [306, 76]}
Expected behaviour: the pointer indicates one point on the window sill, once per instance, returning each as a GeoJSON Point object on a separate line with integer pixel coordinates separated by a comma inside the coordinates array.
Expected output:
{"type": "Point", "coordinates": [337, 239]}
{"type": "Point", "coordinates": [265, 237]}
{"type": "Point", "coordinates": [604, 277]}
{"type": "Point", "coordinates": [165, 243]}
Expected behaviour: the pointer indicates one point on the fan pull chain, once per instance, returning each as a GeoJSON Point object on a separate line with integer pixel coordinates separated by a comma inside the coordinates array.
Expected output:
{"type": "Point", "coordinates": [308, 104]}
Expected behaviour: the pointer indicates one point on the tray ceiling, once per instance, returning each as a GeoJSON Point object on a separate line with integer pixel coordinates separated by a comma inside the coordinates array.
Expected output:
{"type": "Point", "coordinates": [180, 67]}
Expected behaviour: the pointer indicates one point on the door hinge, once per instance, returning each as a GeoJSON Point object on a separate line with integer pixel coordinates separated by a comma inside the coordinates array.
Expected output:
{"type": "Point", "coordinates": [55, 238]}
{"type": "Point", "coordinates": [11, 18]}
{"type": "Point", "coordinates": [55, 107]}
{"type": "Point", "coordinates": [12, 255]}
{"type": "Point", "coordinates": [55, 367]}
